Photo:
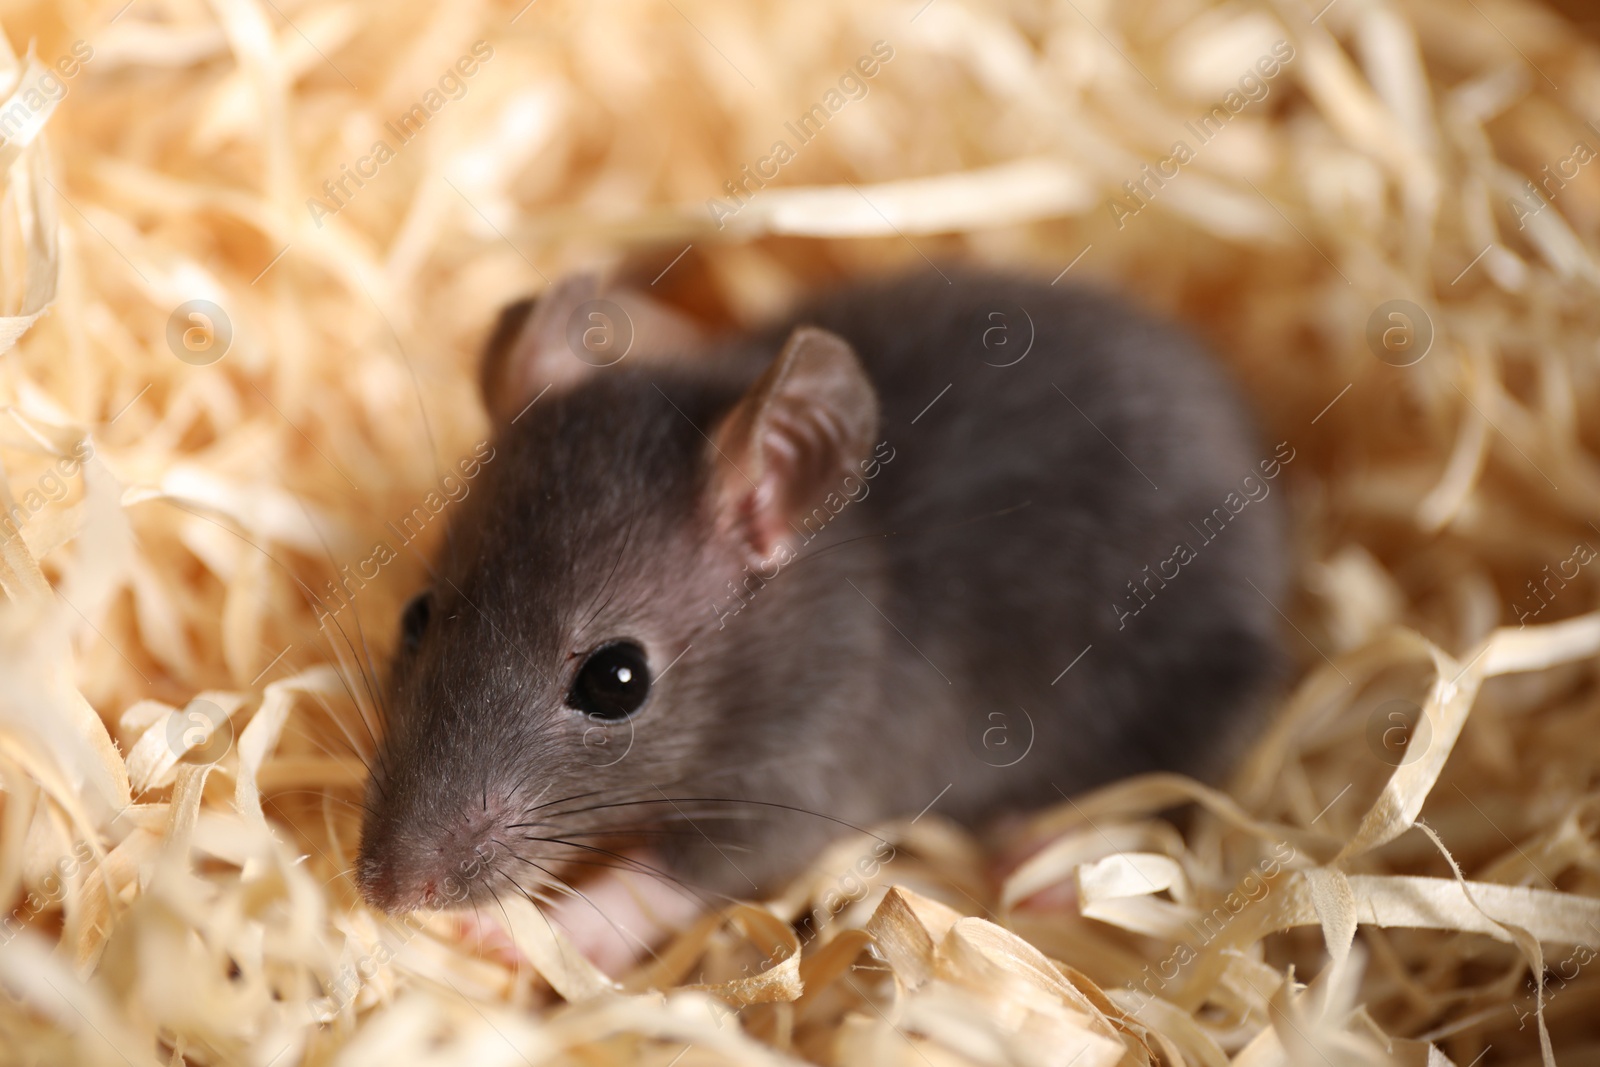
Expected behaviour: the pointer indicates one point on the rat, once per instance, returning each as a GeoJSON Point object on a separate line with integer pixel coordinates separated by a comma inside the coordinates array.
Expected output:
{"type": "Point", "coordinates": [957, 540]}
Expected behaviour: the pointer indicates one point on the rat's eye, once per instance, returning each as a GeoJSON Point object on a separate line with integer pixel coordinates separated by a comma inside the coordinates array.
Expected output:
{"type": "Point", "coordinates": [415, 620]}
{"type": "Point", "coordinates": [612, 683]}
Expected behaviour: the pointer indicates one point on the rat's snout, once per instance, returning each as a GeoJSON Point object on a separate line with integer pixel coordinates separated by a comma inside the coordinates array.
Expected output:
{"type": "Point", "coordinates": [412, 869]}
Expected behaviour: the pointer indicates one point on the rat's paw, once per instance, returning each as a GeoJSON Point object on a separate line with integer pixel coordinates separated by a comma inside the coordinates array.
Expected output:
{"type": "Point", "coordinates": [619, 919]}
{"type": "Point", "coordinates": [624, 915]}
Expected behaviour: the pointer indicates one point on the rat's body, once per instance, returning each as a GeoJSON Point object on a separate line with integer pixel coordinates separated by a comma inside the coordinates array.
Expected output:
{"type": "Point", "coordinates": [831, 659]}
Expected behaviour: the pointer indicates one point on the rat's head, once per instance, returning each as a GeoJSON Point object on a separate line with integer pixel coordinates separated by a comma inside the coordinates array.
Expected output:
{"type": "Point", "coordinates": [565, 674]}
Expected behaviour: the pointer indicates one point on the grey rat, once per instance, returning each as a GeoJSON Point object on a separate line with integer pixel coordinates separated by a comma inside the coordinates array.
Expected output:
{"type": "Point", "coordinates": [917, 543]}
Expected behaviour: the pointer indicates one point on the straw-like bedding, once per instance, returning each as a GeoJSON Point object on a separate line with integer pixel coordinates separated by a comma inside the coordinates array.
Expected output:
{"type": "Point", "coordinates": [1276, 175]}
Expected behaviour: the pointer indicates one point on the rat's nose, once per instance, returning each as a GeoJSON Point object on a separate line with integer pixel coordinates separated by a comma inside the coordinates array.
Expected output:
{"type": "Point", "coordinates": [379, 877]}
{"type": "Point", "coordinates": [379, 886]}
{"type": "Point", "coordinates": [391, 887]}
{"type": "Point", "coordinates": [396, 875]}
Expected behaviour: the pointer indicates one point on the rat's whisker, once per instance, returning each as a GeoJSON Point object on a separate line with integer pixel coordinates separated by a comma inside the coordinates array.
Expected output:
{"type": "Point", "coordinates": [367, 683]}
{"type": "Point", "coordinates": [680, 814]}
{"type": "Point", "coordinates": [320, 635]}
{"type": "Point", "coordinates": [320, 794]}
{"type": "Point", "coordinates": [636, 865]}
{"type": "Point", "coordinates": [516, 959]}
{"type": "Point", "coordinates": [676, 801]}
{"type": "Point", "coordinates": [350, 739]}
{"type": "Point", "coordinates": [538, 895]}
{"type": "Point", "coordinates": [563, 800]}
{"type": "Point", "coordinates": [659, 831]}
{"type": "Point", "coordinates": [574, 891]}
{"type": "Point", "coordinates": [369, 674]}
{"type": "Point", "coordinates": [298, 730]}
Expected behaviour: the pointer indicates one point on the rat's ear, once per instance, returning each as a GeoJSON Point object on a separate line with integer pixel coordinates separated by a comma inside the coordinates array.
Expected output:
{"type": "Point", "coordinates": [789, 443]}
{"type": "Point", "coordinates": [573, 330]}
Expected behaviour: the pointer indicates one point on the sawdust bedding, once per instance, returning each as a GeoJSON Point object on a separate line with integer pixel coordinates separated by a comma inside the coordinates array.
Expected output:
{"type": "Point", "coordinates": [1383, 215]}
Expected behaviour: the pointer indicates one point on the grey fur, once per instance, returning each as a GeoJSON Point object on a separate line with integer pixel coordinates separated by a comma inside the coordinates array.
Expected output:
{"type": "Point", "coordinates": [987, 554]}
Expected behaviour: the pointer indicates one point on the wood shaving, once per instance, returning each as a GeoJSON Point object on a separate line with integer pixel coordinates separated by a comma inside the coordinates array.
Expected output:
{"type": "Point", "coordinates": [1392, 243]}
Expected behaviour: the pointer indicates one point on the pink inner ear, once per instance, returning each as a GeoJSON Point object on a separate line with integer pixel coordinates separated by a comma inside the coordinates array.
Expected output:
{"type": "Point", "coordinates": [536, 350]}
{"type": "Point", "coordinates": [752, 520]}
{"type": "Point", "coordinates": [768, 521]}
{"type": "Point", "coordinates": [792, 438]}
